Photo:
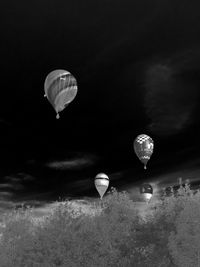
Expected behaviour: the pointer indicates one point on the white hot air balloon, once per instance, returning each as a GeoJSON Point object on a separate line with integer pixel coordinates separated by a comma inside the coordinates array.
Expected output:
{"type": "Point", "coordinates": [101, 182]}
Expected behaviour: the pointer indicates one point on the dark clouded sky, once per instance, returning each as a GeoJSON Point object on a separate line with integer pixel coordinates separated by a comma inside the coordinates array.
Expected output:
{"type": "Point", "coordinates": [137, 65]}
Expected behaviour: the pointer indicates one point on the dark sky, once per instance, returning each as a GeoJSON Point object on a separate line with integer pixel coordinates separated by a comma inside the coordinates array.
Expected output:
{"type": "Point", "coordinates": [137, 65]}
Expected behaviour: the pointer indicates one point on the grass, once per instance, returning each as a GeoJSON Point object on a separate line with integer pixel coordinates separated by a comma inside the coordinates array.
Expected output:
{"type": "Point", "coordinates": [113, 235]}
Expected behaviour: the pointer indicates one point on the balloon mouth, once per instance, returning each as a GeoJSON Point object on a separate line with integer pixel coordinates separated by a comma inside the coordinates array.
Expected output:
{"type": "Point", "coordinates": [144, 160]}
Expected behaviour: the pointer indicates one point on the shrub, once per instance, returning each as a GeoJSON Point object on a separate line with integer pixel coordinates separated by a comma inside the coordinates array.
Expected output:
{"type": "Point", "coordinates": [116, 237]}
{"type": "Point", "coordinates": [16, 238]}
{"type": "Point", "coordinates": [184, 242]}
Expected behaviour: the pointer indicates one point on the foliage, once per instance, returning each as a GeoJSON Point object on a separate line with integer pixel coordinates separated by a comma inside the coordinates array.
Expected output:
{"type": "Point", "coordinates": [117, 236]}
{"type": "Point", "coordinates": [184, 242]}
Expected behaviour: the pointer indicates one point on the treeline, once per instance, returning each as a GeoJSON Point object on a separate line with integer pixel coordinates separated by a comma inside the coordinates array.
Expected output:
{"type": "Point", "coordinates": [115, 237]}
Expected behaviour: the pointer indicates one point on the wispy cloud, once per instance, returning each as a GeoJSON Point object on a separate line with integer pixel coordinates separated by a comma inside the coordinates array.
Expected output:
{"type": "Point", "coordinates": [14, 187]}
{"type": "Point", "coordinates": [171, 92]}
{"type": "Point", "coordinates": [73, 163]}
{"type": "Point", "coordinates": [81, 185]}
{"type": "Point", "coordinates": [19, 177]}
{"type": "Point", "coordinates": [3, 121]}
{"type": "Point", "coordinates": [116, 175]}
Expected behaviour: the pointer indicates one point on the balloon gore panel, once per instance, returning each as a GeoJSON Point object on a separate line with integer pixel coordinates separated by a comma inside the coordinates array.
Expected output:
{"type": "Point", "coordinates": [60, 88]}
{"type": "Point", "coordinates": [101, 183]}
{"type": "Point", "coordinates": [143, 146]}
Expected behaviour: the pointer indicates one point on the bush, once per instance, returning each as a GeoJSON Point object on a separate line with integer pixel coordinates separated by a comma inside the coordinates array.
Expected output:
{"type": "Point", "coordinates": [16, 238]}
{"type": "Point", "coordinates": [184, 242]}
{"type": "Point", "coordinates": [116, 237]}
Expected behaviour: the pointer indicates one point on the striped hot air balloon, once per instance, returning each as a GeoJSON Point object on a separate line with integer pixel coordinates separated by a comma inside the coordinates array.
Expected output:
{"type": "Point", "coordinates": [101, 183]}
{"type": "Point", "coordinates": [143, 146]}
{"type": "Point", "coordinates": [60, 88]}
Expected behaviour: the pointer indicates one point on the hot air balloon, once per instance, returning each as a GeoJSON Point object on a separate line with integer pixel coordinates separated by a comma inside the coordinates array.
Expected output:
{"type": "Point", "coordinates": [143, 146]}
{"type": "Point", "coordinates": [60, 89]}
{"type": "Point", "coordinates": [147, 191]}
{"type": "Point", "coordinates": [101, 182]}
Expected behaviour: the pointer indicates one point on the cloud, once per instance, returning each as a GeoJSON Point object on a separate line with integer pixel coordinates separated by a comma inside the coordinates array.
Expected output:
{"type": "Point", "coordinates": [171, 93]}
{"type": "Point", "coordinates": [116, 175]}
{"type": "Point", "coordinates": [5, 194]}
{"type": "Point", "coordinates": [74, 163]}
{"type": "Point", "coordinates": [81, 185]}
{"type": "Point", "coordinates": [3, 121]}
{"type": "Point", "coordinates": [14, 187]}
{"type": "Point", "coordinates": [19, 177]}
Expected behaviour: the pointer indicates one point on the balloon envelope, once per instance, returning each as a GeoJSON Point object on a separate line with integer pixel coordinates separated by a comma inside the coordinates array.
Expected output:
{"type": "Point", "coordinates": [143, 146]}
{"type": "Point", "coordinates": [101, 183]}
{"type": "Point", "coordinates": [60, 89]}
{"type": "Point", "coordinates": [147, 191]}
{"type": "Point", "coordinates": [146, 188]}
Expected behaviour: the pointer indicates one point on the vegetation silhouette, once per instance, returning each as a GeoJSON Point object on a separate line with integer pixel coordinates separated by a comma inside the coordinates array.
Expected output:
{"type": "Point", "coordinates": [115, 235]}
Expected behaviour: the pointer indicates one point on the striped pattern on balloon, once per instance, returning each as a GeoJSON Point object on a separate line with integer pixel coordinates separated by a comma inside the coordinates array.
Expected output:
{"type": "Point", "coordinates": [60, 89]}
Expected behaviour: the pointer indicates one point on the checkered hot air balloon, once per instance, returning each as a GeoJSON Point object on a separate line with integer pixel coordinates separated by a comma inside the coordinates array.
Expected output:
{"type": "Point", "coordinates": [101, 183]}
{"type": "Point", "coordinates": [60, 88]}
{"type": "Point", "coordinates": [143, 146]}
